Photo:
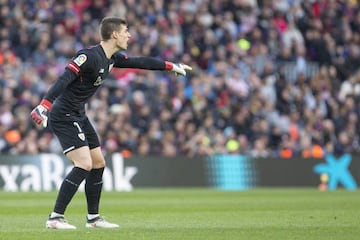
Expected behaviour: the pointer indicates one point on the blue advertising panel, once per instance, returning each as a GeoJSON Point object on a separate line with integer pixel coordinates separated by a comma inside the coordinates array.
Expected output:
{"type": "Point", "coordinates": [231, 172]}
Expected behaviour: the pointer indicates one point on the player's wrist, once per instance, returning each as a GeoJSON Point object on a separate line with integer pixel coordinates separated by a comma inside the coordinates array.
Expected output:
{"type": "Point", "coordinates": [46, 104]}
{"type": "Point", "coordinates": [169, 66]}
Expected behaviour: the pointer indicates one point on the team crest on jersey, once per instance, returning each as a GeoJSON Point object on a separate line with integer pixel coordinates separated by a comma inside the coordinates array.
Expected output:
{"type": "Point", "coordinates": [80, 59]}
{"type": "Point", "coordinates": [81, 136]}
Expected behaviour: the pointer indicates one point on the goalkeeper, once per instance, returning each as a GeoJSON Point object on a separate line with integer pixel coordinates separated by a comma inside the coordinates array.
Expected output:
{"type": "Point", "coordinates": [83, 75]}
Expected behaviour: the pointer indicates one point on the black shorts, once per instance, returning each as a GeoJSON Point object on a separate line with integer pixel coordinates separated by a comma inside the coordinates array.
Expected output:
{"type": "Point", "coordinates": [74, 132]}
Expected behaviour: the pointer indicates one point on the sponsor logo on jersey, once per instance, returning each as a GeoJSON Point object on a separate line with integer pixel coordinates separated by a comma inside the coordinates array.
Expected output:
{"type": "Point", "coordinates": [98, 81]}
{"type": "Point", "coordinates": [80, 59]}
{"type": "Point", "coordinates": [101, 70]}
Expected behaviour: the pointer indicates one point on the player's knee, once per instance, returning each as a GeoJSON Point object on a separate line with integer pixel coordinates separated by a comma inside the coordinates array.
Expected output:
{"type": "Point", "coordinates": [84, 163]}
{"type": "Point", "coordinates": [81, 158]}
{"type": "Point", "coordinates": [99, 163]}
{"type": "Point", "coordinates": [87, 167]}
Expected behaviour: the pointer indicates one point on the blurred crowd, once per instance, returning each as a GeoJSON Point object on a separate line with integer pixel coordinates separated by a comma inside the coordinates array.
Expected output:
{"type": "Point", "coordinates": [271, 78]}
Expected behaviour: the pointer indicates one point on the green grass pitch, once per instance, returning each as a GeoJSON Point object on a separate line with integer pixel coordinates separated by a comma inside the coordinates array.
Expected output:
{"type": "Point", "coordinates": [191, 214]}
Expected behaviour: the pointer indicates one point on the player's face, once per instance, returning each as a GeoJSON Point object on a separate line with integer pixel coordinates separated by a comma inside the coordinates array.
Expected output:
{"type": "Point", "coordinates": [122, 38]}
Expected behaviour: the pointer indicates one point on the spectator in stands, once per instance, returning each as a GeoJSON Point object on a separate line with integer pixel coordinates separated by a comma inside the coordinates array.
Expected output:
{"type": "Point", "coordinates": [301, 55]}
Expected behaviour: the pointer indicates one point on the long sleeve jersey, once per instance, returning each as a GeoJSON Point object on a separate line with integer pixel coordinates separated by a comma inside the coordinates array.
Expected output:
{"type": "Point", "coordinates": [85, 73]}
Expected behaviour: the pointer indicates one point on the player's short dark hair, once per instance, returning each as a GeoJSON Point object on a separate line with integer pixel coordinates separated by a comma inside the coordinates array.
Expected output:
{"type": "Point", "coordinates": [110, 24]}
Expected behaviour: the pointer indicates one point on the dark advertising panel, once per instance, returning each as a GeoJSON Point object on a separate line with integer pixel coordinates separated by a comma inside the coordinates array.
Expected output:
{"type": "Point", "coordinates": [45, 172]}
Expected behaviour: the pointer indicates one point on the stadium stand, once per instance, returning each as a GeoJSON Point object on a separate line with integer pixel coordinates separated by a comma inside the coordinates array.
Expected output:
{"type": "Point", "coordinates": [271, 78]}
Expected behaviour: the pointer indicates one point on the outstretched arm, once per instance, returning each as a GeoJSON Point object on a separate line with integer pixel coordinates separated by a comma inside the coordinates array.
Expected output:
{"type": "Point", "coordinates": [149, 63]}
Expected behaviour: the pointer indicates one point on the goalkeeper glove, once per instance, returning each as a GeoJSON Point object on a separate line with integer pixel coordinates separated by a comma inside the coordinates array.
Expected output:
{"type": "Point", "coordinates": [178, 68]}
{"type": "Point", "coordinates": [39, 113]}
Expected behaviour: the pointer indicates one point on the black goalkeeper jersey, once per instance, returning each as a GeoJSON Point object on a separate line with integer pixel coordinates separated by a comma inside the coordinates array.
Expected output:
{"type": "Point", "coordinates": [85, 73]}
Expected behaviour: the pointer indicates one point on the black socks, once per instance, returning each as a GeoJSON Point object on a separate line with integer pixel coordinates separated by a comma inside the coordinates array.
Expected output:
{"type": "Point", "coordinates": [68, 188]}
{"type": "Point", "coordinates": [93, 187]}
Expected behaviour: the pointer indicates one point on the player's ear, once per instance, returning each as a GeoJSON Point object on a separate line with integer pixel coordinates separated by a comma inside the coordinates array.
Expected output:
{"type": "Point", "coordinates": [114, 35]}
